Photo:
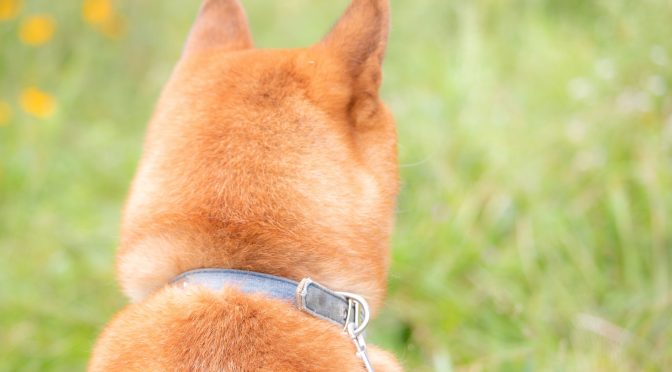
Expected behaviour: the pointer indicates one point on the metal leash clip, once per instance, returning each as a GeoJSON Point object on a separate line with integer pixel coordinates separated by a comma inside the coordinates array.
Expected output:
{"type": "Point", "coordinates": [356, 321]}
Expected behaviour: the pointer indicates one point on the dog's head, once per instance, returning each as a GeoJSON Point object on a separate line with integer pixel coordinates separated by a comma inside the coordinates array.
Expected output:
{"type": "Point", "coordinates": [279, 161]}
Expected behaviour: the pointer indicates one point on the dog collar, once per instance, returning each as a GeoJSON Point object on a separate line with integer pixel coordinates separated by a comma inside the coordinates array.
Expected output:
{"type": "Point", "coordinates": [347, 310]}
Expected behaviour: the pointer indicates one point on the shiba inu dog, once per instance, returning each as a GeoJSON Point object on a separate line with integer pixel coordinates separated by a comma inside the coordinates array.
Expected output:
{"type": "Point", "coordinates": [258, 223]}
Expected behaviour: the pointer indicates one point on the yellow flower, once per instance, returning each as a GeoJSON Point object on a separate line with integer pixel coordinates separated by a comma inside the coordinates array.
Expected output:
{"type": "Point", "coordinates": [9, 9]}
{"type": "Point", "coordinates": [37, 29]}
{"type": "Point", "coordinates": [5, 113]}
{"type": "Point", "coordinates": [97, 12]}
{"type": "Point", "coordinates": [101, 15]}
{"type": "Point", "coordinates": [38, 103]}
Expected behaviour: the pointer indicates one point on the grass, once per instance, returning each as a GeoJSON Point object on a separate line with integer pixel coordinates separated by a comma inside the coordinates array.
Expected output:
{"type": "Point", "coordinates": [533, 226]}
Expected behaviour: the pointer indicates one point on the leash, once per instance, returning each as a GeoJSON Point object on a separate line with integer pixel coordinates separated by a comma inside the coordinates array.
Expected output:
{"type": "Point", "coordinates": [348, 310]}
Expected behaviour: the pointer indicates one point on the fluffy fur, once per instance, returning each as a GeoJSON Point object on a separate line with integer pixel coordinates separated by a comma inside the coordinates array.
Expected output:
{"type": "Point", "coordinates": [276, 161]}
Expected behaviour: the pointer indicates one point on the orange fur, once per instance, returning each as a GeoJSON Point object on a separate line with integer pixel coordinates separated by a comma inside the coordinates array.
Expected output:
{"type": "Point", "coordinates": [276, 161]}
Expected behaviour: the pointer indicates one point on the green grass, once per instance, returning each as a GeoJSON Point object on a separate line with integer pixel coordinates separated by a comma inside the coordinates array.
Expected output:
{"type": "Point", "coordinates": [534, 225]}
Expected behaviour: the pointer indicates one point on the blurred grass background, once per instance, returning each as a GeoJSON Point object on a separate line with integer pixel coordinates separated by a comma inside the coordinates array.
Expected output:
{"type": "Point", "coordinates": [534, 225]}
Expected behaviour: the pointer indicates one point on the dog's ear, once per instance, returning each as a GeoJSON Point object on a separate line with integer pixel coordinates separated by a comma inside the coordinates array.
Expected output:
{"type": "Point", "coordinates": [220, 24]}
{"type": "Point", "coordinates": [359, 40]}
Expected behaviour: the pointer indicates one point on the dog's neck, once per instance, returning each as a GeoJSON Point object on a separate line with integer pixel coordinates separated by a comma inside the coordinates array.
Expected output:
{"type": "Point", "coordinates": [159, 255]}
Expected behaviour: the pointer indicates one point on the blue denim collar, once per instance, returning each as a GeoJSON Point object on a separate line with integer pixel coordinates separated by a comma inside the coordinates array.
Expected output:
{"type": "Point", "coordinates": [306, 295]}
{"type": "Point", "coordinates": [246, 281]}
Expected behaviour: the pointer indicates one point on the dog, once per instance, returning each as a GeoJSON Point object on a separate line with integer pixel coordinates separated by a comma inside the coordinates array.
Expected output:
{"type": "Point", "coordinates": [271, 169]}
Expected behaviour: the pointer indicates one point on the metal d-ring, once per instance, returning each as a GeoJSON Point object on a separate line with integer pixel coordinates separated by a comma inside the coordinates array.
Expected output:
{"type": "Point", "coordinates": [360, 305]}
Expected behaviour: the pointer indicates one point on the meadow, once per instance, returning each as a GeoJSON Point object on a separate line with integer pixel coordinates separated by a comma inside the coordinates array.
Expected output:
{"type": "Point", "coordinates": [534, 227]}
